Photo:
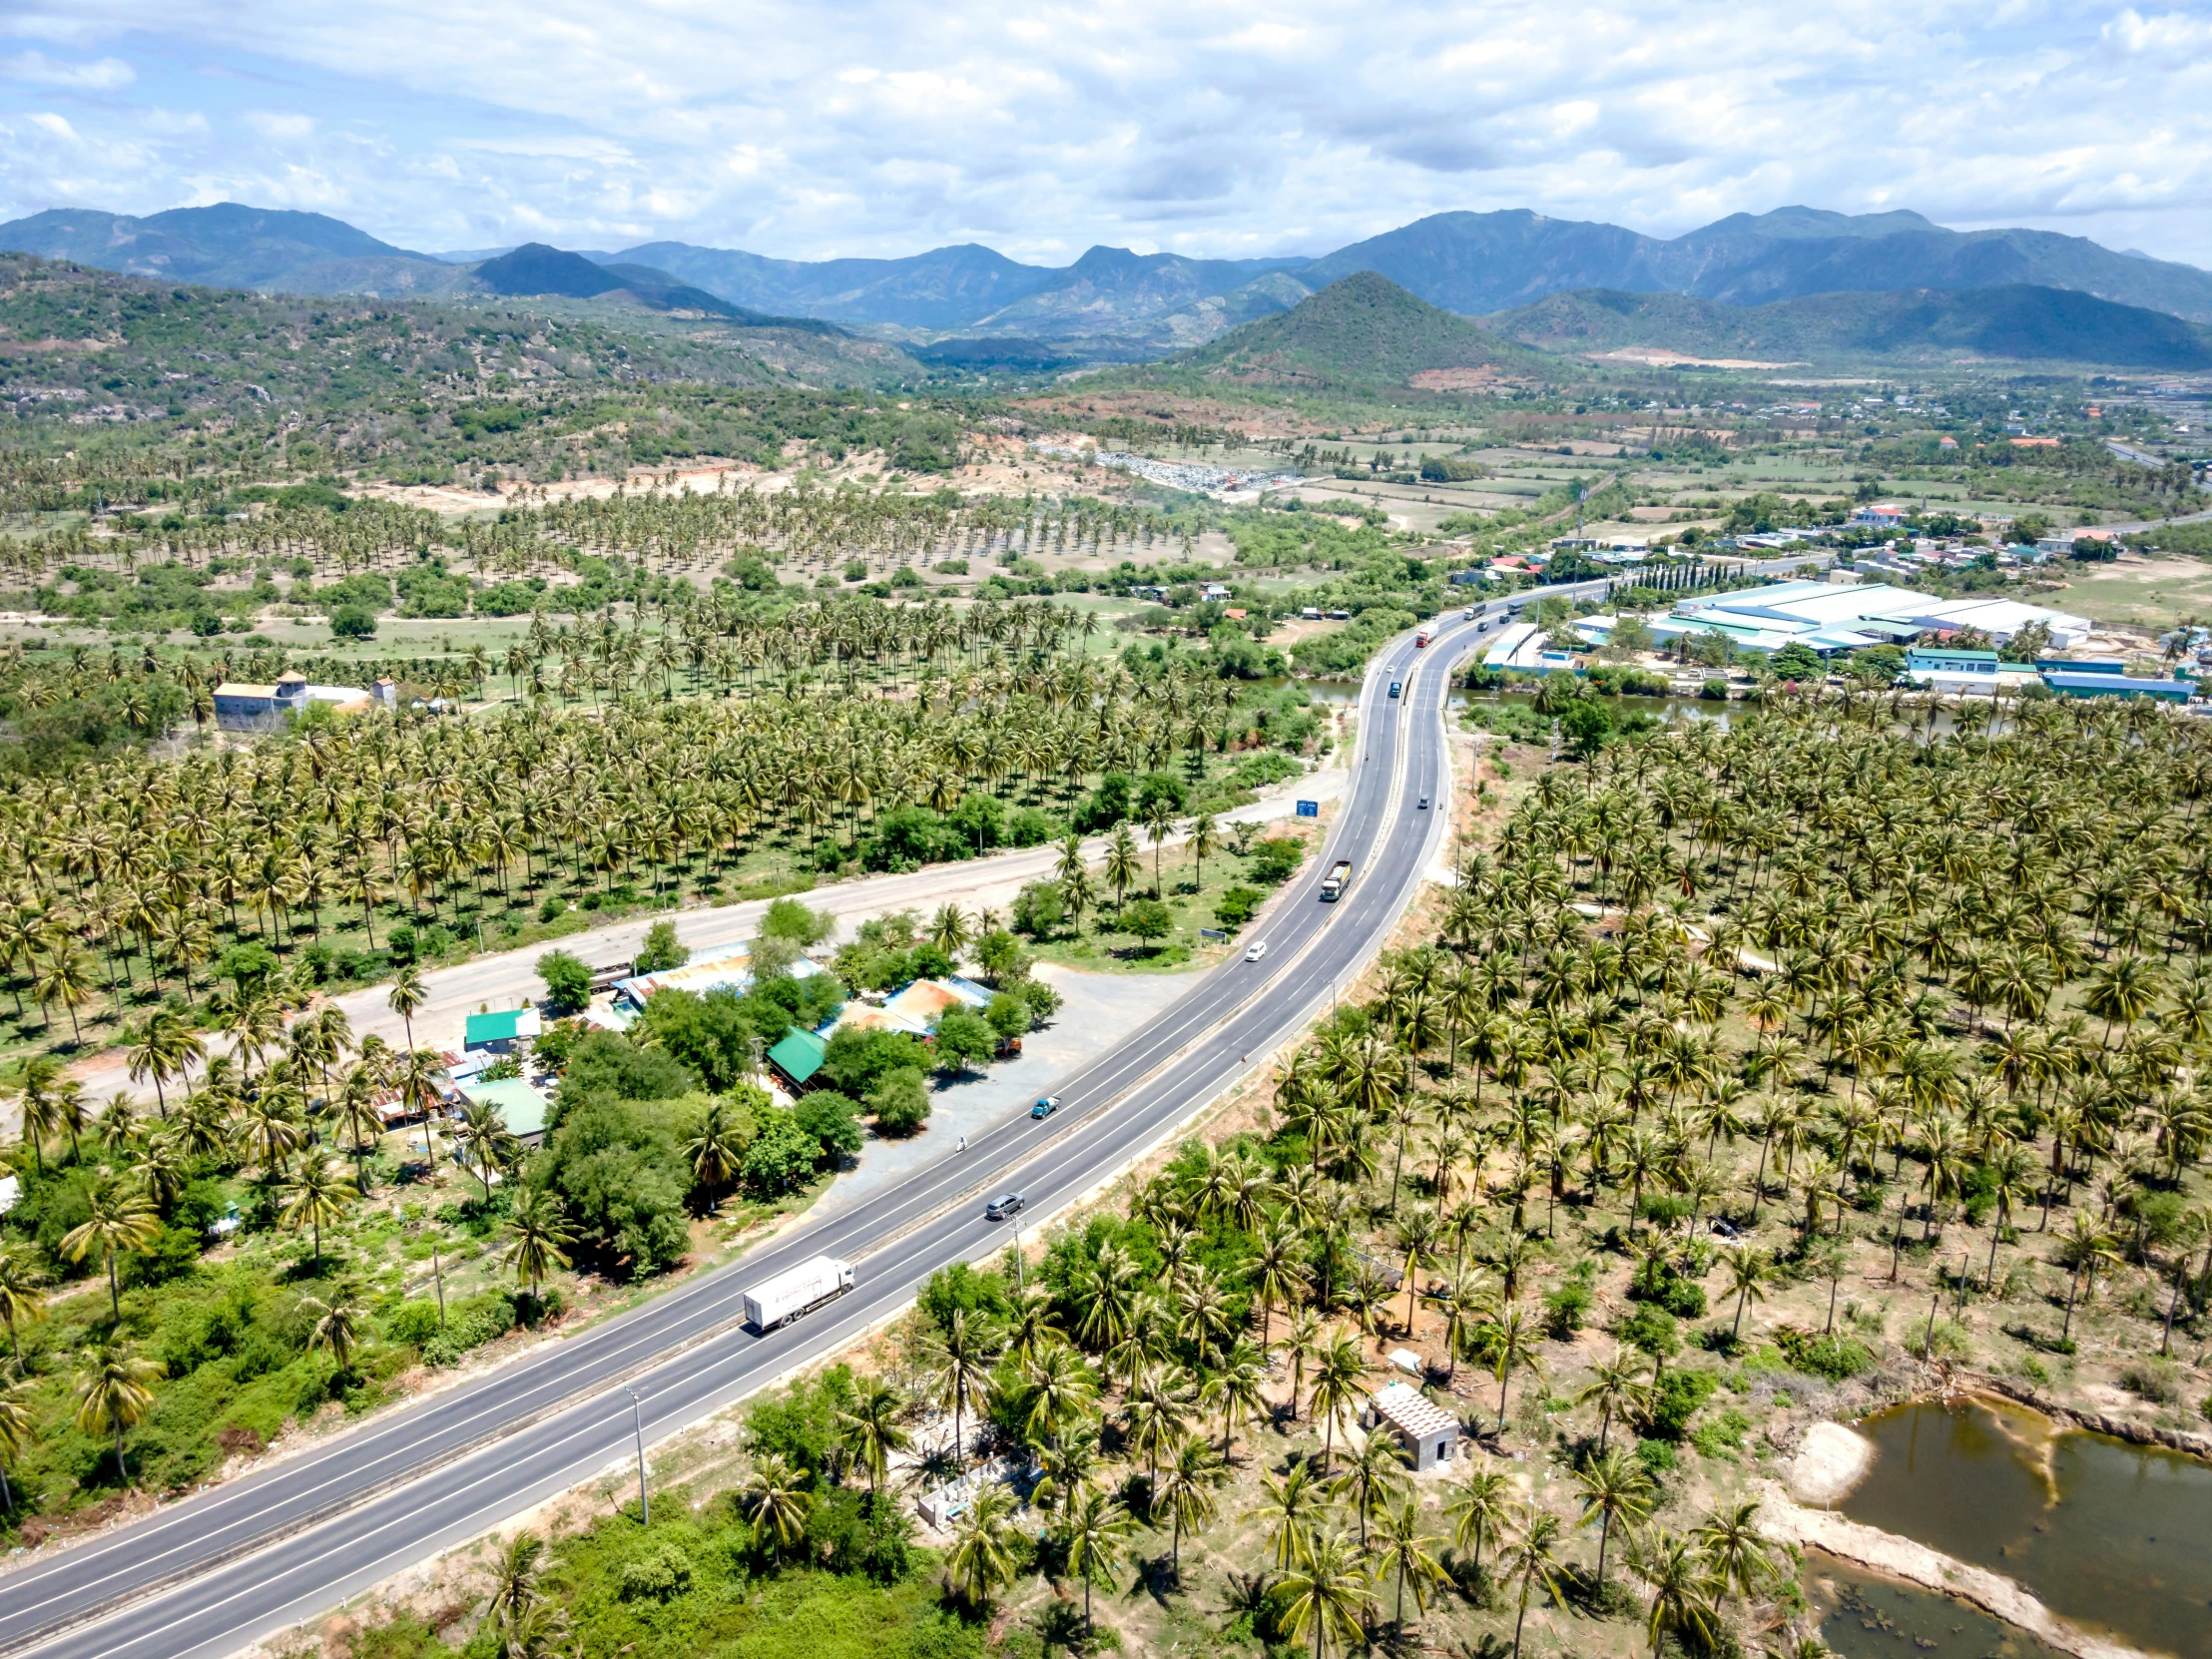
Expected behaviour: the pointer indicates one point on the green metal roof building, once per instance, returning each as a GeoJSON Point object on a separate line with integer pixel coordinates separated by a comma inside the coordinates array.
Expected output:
{"type": "Point", "coordinates": [797, 1056]}
{"type": "Point", "coordinates": [520, 1107]}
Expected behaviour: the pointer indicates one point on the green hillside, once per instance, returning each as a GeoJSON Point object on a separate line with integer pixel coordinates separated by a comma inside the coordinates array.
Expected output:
{"type": "Point", "coordinates": [1362, 331]}
{"type": "Point", "coordinates": [2020, 321]}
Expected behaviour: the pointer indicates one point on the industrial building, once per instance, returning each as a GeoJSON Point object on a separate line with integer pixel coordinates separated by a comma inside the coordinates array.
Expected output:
{"type": "Point", "coordinates": [1828, 618]}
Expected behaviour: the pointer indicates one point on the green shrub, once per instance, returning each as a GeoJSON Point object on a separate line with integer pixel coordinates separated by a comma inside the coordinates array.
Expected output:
{"type": "Point", "coordinates": [1681, 1392]}
{"type": "Point", "coordinates": [665, 1573]}
{"type": "Point", "coordinates": [2157, 1381]}
{"type": "Point", "coordinates": [1836, 1358]}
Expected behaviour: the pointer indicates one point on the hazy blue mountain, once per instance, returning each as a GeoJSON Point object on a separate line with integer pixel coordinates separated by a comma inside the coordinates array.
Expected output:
{"type": "Point", "coordinates": [1120, 304]}
{"type": "Point", "coordinates": [536, 269]}
{"type": "Point", "coordinates": [947, 287]}
{"type": "Point", "coordinates": [231, 245]}
{"type": "Point", "coordinates": [2018, 321]}
{"type": "Point", "coordinates": [1482, 262]}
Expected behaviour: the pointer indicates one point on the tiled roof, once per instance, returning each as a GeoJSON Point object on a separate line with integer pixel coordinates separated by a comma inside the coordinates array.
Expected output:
{"type": "Point", "coordinates": [1412, 1413]}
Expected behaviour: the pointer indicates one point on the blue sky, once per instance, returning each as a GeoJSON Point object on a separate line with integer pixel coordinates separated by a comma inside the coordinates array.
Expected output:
{"type": "Point", "coordinates": [812, 130]}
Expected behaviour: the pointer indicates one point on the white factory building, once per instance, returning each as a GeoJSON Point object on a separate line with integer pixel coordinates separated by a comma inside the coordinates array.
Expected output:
{"type": "Point", "coordinates": [1829, 618]}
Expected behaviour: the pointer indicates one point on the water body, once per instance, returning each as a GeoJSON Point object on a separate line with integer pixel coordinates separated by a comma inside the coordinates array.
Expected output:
{"type": "Point", "coordinates": [2111, 1534]}
{"type": "Point", "coordinates": [1866, 1618]}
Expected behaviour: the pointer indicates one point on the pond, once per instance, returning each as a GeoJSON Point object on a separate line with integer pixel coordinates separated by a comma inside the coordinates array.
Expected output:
{"type": "Point", "coordinates": [2111, 1534]}
{"type": "Point", "coordinates": [1868, 1617]}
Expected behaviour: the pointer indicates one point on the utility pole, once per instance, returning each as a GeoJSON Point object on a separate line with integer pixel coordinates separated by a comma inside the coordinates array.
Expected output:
{"type": "Point", "coordinates": [637, 1428]}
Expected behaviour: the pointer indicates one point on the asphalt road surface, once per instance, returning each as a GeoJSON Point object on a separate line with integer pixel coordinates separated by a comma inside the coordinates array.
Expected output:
{"type": "Point", "coordinates": [206, 1575]}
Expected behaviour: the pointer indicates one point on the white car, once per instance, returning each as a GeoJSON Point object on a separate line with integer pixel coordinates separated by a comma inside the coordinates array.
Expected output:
{"type": "Point", "coordinates": [1258, 950]}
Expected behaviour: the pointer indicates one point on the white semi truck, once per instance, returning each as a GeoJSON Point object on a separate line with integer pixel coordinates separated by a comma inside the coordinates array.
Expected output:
{"type": "Point", "coordinates": [797, 1290]}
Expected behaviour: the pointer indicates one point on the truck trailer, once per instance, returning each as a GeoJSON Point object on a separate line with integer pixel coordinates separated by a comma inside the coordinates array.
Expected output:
{"type": "Point", "coordinates": [797, 1290]}
{"type": "Point", "coordinates": [1334, 883]}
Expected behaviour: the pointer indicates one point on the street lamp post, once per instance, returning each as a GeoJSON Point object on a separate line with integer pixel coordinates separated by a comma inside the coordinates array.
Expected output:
{"type": "Point", "coordinates": [636, 1429]}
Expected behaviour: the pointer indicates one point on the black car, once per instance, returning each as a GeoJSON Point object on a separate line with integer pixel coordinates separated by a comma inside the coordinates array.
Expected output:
{"type": "Point", "coordinates": [1003, 1206]}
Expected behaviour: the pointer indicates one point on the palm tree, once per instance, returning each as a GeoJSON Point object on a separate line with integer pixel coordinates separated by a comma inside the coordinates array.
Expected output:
{"type": "Point", "coordinates": [959, 1358]}
{"type": "Point", "coordinates": [1204, 841]}
{"type": "Point", "coordinates": [1614, 1486]}
{"type": "Point", "coordinates": [773, 1500]}
{"type": "Point", "coordinates": [20, 1302]}
{"type": "Point", "coordinates": [337, 1325]}
{"type": "Point", "coordinates": [1325, 1590]}
{"type": "Point", "coordinates": [869, 1430]}
{"type": "Point", "coordinates": [2009, 1178]}
{"type": "Point", "coordinates": [15, 1434]}
{"type": "Point", "coordinates": [118, 1219]}
{"type": "Point", "coordinates": [1735, 1550]}
{"type": "Point", "coordinates": [1234, 1387]}
{"type": "Point", "coordinates": [316, 1197]}
{"type": "Point", "coordinates": [1477, 1508]}
{"type": "Point", "coordinates": [2087, 1243]}
{"type": "Point", "coordinates": [114, 1393]}
{"type": "Point", "coordinates": [982, 1555]}
{"type": "Point", "coordinates": [1186, 1490]}
{"type": "Point", "coordinates": [1531, 1558]}
{"type": "Point", "coordinates": [514, 1576]}
{"type": "Point", "coordinates": [1619, 1386]}
{"type": "Point", "coordinates": [539, 1231]}
{"type": "Point", "coordinates": [1750, 1271]}
{"type": "Point", "coordinates": [1510, 1342]}
{"type": "Point", "coordinates": [408, 996]}
{"type": "Point", "coordinates": [1092, 1533]}
{"type": "Point", "coordinates": [1404, 1547]}
{"type": "Point", "coordinates": [1292, 1507]}
{"type": "Point", "coordinates": [1340, 1381]}
{"type": "Point", "coordinates": [1683, 1587]}
{"type": "Point", "coordinates": [1369, 1476]}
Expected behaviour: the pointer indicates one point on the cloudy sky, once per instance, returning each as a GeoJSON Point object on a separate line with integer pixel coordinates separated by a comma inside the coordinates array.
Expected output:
{"type": "Point", "coordinates": [856, 126]}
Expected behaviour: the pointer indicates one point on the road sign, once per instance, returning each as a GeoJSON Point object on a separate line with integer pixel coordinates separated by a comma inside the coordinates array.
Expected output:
{"type": "Point", "coordinates": [1213, 935]}
{"type": "Point", "coordinates": [1309, 808]}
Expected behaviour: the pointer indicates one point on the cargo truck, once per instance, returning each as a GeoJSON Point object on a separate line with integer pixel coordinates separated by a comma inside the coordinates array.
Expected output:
{"type": "Point", "coordinates": [797, 1290]}
{"type": "Point", "coordinates": [1334, 883]}
{"type": "Point", "coordinates": [1420, 640]}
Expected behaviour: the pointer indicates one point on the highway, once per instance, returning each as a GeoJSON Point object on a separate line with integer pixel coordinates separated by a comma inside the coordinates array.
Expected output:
{"type": "Point", "coordinates": [209, 1574]}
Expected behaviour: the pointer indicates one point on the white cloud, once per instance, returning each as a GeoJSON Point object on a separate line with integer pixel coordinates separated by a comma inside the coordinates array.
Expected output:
{"type": "Point", "coordinates": [1045, 126]}
{"type": "Point", "coordinates": [282, 125]}
{"type": "Point", "coordinates": [104, 75]}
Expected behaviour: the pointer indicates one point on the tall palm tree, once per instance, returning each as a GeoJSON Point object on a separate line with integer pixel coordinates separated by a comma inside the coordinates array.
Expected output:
{"type": "Point", "coordinates": [1406, 1549]}
{"type": "Point", "coordinates": [773, 1500]}
{"type": "Point", "coordinates": [316, 1197]}
{"type": "Point", "coordinates": [1370, 1475]}
{"type": "Point", "coordinates": [118, 1220]}
{"type": "Point", "coordinates": [115, 1391]}
{"type": "Point", "coordinates": [1531, 1558]}
{"type": "Point", "coordinates": [337, 1324]}
{"type": "Point", "coordinates": [1478, 1507]}
{"type": "Point", "coordinates": [1510, 1342]}
{"type": "Point", "coordinates": [959, 1360]}
{"type": "Point", "coordinates": [981, 1558]}
{"type": "Point", "coordinates": [1614, 1487]}
{"type": "Point", "coordinates": [870, 1433]}
{"type": "Point", "coordinates": [1682, 1584]}
{"type": "Point", "coordinates": [1092, 1533]}
{"type": "Point", "coordinates": [20, 1302]}
{"type": "Point", "coordinates": [15, 1434]}
{"type": "Point", "coordinates": [538, 1232]}
{"type": "Point", "coordinates": [1187, 1483]}
{"type": "Point", "coordinates": [1325, 1590]}
{"type": "Point", "coordinates": [1293, 1508]}
{"type": "Point", "coordinates": [1340, 1381]}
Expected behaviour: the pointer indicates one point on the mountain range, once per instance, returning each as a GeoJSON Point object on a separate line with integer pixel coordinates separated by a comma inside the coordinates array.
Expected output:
{"type": "Point", "coordinates": [969, 305]}
{"type": "Point", "coordinates": [2018, 320]}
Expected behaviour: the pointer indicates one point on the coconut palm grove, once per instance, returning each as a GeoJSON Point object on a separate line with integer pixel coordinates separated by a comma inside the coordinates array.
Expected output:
{"type": "Point", "coordinates": [1743, 1076]}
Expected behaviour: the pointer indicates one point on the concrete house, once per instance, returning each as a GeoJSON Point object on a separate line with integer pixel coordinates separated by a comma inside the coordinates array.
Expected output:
{"type": "Point", "coordinates": [1429, 1432]}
